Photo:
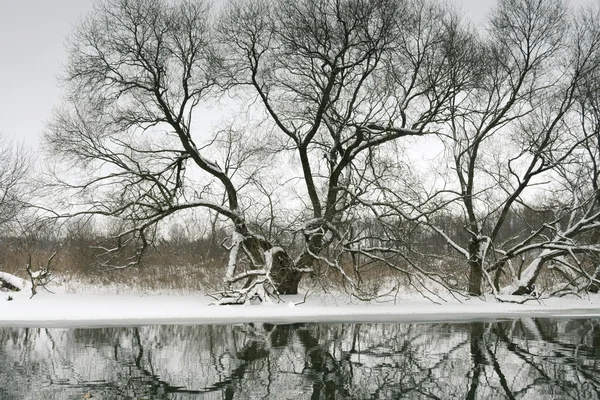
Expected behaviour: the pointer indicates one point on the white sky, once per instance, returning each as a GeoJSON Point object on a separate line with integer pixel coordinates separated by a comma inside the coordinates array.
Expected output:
{"type": "Point", "coordinates": [32, 34]}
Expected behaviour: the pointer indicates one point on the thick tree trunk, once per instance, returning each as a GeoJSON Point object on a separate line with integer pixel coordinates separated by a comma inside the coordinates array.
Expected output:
{"type": "Point", "coordinates": [475, 277]}
{"type": "Point", "coordinates": [284, 274]}
{"type": "Point", "coordinates": [475, 269]}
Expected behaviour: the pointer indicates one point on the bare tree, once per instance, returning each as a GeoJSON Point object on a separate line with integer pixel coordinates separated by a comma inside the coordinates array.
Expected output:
{"type": "Point", "coordinates": [14, 190]}
{"type": "Point", "coordinates": [136, 73]}
{"type": "Point", "coordinates": [338, 82]}
{"type": "Point", "coordinates": [14, 166]}
{"type": "Point", "coordinates": [314, 175]}
{"type": "Point", "coordinates": [589, 108]}
{"type": "Point", "coordinates": [512, 128]}
{"type": "Point", "coordinates": [568, 243]}
{"type": "Point", "coordinates": [341, 82]}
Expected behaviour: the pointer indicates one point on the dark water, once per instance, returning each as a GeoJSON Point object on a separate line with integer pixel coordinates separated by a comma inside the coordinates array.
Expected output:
{"type": "Point", "coordinates": [521, 359]}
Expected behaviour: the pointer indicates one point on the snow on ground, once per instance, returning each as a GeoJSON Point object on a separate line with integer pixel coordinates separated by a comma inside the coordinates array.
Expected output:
{"type": "Point", "coordinates": [120, 309]}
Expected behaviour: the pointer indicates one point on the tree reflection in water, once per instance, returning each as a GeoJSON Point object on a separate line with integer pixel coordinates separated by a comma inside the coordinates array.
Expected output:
{"type": "Point", "coordinates": [518, 359]}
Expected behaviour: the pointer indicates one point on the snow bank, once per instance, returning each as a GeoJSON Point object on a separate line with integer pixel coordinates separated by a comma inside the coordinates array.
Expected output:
{"type": "Point", "coordinates": [70, 310]}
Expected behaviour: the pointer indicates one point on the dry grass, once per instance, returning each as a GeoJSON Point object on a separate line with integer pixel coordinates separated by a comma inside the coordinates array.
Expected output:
{"type": "Point", "coordinates": [145, 279]}
{"type": "Point", "coordinates": [200, 267]}
{"type": "Point", "coordinates": [171, 268]}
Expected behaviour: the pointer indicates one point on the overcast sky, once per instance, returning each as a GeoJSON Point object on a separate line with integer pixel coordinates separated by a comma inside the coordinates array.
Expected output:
{"type": "Point", "coordinates": [32, 34]}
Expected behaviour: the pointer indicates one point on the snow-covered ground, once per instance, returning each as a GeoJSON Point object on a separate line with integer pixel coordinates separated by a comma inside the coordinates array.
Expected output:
{"type": "Point", "coordinates": [98, 308]}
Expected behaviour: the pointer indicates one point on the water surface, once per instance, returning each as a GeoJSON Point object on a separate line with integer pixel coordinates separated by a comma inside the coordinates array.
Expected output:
{"type": "Point", "coordinates": [519, 359]}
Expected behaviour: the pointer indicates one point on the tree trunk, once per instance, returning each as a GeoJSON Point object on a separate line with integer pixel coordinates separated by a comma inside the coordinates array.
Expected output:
{"type": "Point", "coordinates": [526, 282]}
{"type": "Point", "coordinates": [475, 269]}
{"type": "Point", "coordinates": [475, 277]}
{"type": "Point", "coordinates": [595, 285]}
{"type": "Point", "coordinates": [498, 275]}
{"type": "Point", "coordinates": [285, 277]}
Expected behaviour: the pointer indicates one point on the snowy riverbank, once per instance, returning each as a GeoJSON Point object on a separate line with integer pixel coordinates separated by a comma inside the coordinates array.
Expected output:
{"type": "Point", "coordinates": [97, 308]}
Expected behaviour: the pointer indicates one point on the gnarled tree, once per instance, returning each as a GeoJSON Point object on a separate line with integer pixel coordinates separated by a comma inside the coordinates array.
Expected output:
{"type": "Point", "coordinates": [336, 81]}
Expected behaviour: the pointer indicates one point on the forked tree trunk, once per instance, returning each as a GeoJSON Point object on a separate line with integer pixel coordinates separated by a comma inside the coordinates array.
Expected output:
{"type": "Point", "coordinates": [284, 275]}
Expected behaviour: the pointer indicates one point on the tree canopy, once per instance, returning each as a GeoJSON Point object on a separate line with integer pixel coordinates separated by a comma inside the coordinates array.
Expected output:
{"type": "Point", "coordinates": [335, 101]}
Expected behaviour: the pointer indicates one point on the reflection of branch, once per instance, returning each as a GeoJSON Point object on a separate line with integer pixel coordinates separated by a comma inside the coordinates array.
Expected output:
{"type": "Point", "coordinates": [152, 380]}
{"type": "Point", "coordinates": [498, 370]}
{"type": "Point", "coordinates": [521, 353]}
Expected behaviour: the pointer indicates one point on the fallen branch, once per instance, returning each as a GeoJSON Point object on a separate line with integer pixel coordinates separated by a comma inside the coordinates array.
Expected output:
{"type": "Point", "coordinates": [10, 283]}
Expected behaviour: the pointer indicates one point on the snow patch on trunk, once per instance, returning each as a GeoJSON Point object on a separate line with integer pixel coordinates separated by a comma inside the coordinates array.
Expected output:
{"type": "Point", "coordinates": [528, 276]}
{"type": "Point", "coordinates": [236, 242]}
